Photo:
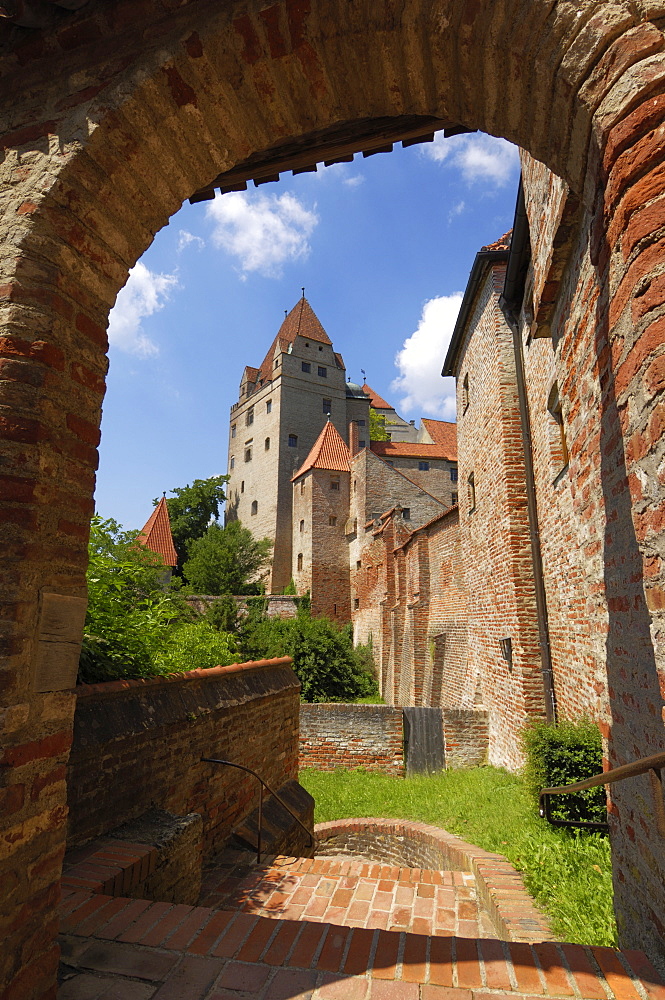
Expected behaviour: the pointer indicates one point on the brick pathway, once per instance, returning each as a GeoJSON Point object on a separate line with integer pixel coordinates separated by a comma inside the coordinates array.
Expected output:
{"type": "Point", "coordinates": [350, 893]}
{"type": "Point", "coordinates": [133, 949]}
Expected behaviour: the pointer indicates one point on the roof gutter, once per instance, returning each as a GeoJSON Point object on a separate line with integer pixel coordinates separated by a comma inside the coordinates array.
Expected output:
{"type": "Point", "coordinates": [510, 304]}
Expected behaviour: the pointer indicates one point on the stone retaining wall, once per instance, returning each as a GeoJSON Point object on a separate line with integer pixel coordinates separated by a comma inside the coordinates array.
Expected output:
{"type": "Point", "coordinates": [417, 845]}
{"type": "Point", "coordinates": [139, 744]}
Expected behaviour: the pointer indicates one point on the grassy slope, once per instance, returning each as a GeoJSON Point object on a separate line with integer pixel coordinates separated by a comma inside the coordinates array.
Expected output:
{"type": "Point", "coordinates": [569, 875]}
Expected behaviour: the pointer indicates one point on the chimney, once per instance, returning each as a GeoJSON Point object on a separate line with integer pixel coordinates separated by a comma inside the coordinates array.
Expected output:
{"type": "Point", "coordinates": [353, 438]}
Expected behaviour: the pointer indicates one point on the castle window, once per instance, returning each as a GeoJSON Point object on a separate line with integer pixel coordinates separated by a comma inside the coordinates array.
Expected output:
{"type": "Point", "coordinates": [269, 406]}
{"type": "Point", "coordinates": [332, 521]}
{"type": "Point", "coordinates": [320, 348]}
{"type": "Point", "coordinates": [454, 499]}
{"type": "Point", "coordinates": [233, 463]}
{"type": "Point", "coordinates": [323, 372]}
{"type": "Point", "coordinates": [355, 485]}
{"type": "Point", "coordinates": [356, 603]}
{"type": "Point", "coordinates": [406, 513]}
{"type": "Point", "coordinates": [249, 418]}
{"type": "Point", "coordinates": [255, 506]}
{"type": "Point", "coordinates": [299, 561]}
{"type": "Point", "coordinates": [361, 444]}
{"type": "Point", "coordinates": [361, 423]}
{"type": "Point", "coordinates": [358, 563]}
{"type": "Point", "coordinates": [327, 406]}
{"type": "Point", "coordinates": [471, 481]}
{"type": "Point", "coordinates": [423, 466]}
{"type": "Point", "coordinates": [233, 430]}
{"type": "Point", "coordinates": [293, 440]}
{"type": "Point", "coordinates": [453, 475]}
{"type": "Point", "coordinates": [266, 444]}
{"type": "Point", "coordinates": [465, 393]}
{"type": "Point", "coordinates": [248, 454]}
{"type": "Point", "coordinates": [302, 486]}
{"type": "Point", "coordinates": [302, 525]}
{"type": "Point", "coordinates": [242, 486]}
{"type": "Point", "coordinates": [276, 363]}
{"type": "Point", "coordinates": [305, 365]}
{"type": "Point", "coordinates": [558, 443]}
{"type": "Point", "coordinates": [334, 482]}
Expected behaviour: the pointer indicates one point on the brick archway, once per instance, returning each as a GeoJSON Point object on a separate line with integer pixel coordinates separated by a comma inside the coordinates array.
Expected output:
{"type": "Point", "coordinates": [125, 110]}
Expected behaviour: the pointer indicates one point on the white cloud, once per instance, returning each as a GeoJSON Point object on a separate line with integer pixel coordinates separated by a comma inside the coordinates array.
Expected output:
{"type": "Point", "coordinates": [144, 294]}
{"type": "Point", "coordinates": [262, 231]}
{"type": "Point", "coordinates": [421, 358]}
{"type": "Point", "coordinates": [477, 156]}
{"type": "Point", "coordinates": [456, 210]}
{"type": "Point", "coordinates": [185, 238]}
{"type": "Point", "coordinates": [354, 181]}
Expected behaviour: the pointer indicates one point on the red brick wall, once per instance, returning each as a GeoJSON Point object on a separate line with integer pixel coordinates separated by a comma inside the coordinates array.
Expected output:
{"type": "Point", "coordinates": [369, 736]}
{"type": "Point", "coordinates": [330, 550]}
{"type": "Point", "coordinates": [139, 744]}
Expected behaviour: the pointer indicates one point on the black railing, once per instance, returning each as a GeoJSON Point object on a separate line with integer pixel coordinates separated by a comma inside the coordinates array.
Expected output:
{"type": "Point", "coordinates": [653, 765]}
{"type": "Point", "coordinates": [262, 784]}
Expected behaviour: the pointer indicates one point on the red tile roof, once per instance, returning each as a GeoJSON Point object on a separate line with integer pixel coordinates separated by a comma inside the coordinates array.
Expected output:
{"type": "Point", "coordinates": [503, 242]}
{"type": "Point", "coordinates": [156, 534]}
{"type": "Point", "coordinates": [329, 451]}
{"type": "Point", "coordinates": [375, 401]}
{"type": "Point", "coordinates": [443, 433]}
{"type": "Point", "coordinates": [409, 449]}
{"type": "Point", "coordinates": [301, 321]}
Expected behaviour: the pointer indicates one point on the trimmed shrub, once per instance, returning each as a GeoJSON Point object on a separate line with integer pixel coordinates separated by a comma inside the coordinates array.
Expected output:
{"type": "Point", "coordinates": [560, 754]}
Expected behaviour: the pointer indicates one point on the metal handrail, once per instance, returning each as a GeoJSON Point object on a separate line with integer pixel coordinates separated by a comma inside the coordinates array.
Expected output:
{"type": "Point", "coordinates": [653, 765]}
{"type": "Point", "coordinates": [262, 784]}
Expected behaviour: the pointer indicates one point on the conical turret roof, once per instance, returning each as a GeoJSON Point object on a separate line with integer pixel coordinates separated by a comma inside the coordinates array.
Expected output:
{"type": "Point", "coordinates": [302, 321]}
{"type": "Point", "coordinates": [156, 534]}
{"type": "Point", "coordinates": [329, 451]}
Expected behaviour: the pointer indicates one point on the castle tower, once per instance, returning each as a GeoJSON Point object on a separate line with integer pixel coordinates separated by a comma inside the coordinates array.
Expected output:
{"type": "Point", "coordinates": [321, 497]}
{"type": "Point", "coordinates": [282, 407]}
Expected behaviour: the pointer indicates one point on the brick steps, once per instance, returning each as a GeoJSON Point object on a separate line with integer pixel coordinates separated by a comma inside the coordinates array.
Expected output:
{"type": "Point", "coordinates": [175, 950]}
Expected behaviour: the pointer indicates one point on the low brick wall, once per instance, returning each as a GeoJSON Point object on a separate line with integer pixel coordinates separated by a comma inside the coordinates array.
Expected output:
{"type": "Point", "coordinates": [466, 737]}
{"type": "Point", "coordinates": [372, 736]}
{"type": "Point", "coordinates": [369, 736]}
{"type": "Point", "coordinates": [139, 744]}
{"type": "Point", "coordinates": [417, 845]}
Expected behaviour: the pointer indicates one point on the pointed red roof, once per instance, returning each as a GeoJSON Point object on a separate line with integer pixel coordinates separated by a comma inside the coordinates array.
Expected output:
{"type": "Point", "coordinates": [156, 534]}
{"type": "Point", "coordinates": [410, 449]}
{"type": "Point", "coordinates": [503, 242]}
{"type": "Point", "coordinates": [375, 401]}
{"type": "Point", "coordinates": [329, 451]}
{"type": "Point", "coordinates": [443, 433]}
{"type": "Point", "coordinates": [301, 321]}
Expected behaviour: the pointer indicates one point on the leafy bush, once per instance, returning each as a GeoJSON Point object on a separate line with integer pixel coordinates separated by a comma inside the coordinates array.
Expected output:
{"type": "Point", "coordinates": [559, 754]}
{"type": "Point", "coordinates": [323, 655]}
{"type": "Point", "coordinates": [196, 646]}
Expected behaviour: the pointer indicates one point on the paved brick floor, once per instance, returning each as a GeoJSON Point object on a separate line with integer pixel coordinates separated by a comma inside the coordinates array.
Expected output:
{"type": "Point", "coordinates": [134, 949]}
{"type": "Point", "coordinates": [350, 893]}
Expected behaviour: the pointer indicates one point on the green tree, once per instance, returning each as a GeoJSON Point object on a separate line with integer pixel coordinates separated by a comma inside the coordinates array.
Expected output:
{"type": "Point", "coordinates": [226, 560]}
{"type": "Point", "coordinates": [191, 511]}
{"type": "Point", "coordinates": [377, 426]}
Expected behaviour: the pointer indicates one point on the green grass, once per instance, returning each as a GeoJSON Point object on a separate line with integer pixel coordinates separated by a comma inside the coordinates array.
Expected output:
{"type": "Point", "coordinates": [569, 874]}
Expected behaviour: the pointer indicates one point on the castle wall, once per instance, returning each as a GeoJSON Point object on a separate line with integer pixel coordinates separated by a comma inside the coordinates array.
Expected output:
{"type": "Point", "coordinates": [329, 550]}
{"type": "Point", "coordinates": [436, 480]}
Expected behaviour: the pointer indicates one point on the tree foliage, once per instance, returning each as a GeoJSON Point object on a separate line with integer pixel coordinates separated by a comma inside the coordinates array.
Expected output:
{"type": "Point", "coordinates": [226, 560]}
{"type": "Point", "coordinates": [191, 511]}
{"type": "Point", "coordinates": [133, 625]}
{"type": "Point", "coordinates": [323, 655]}
{"type": "Point", "coordinates": [560, 754]}
{"type": "Point", "coordinates": [377, 426]}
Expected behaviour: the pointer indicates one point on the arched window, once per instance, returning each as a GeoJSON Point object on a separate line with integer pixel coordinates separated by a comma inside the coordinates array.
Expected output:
{"type": "Point", "coordinates": [255, 506]}
{"type": "Point", "coordinates": [299, 561]}
{"type": "Point", "coordinates": [267, 444]}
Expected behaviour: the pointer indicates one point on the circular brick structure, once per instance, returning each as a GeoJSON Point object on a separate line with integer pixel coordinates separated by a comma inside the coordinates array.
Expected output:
{"type": "Point", "coordinates": [417, 845]}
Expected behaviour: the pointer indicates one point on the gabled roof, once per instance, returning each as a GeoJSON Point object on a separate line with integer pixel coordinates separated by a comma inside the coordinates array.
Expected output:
{"type": "Point", "coordinates": [156, 534]}
{"type": "Point", "coordinates": [410, 449]}
{"type": "Point", "coordinates": [443, 433]}
{"type": "Point", "coordinates": [329, 451]}
{"type": "Point", "coordinates": [375, 401]}
{"type": "Point", "coordinates": [301, 321]}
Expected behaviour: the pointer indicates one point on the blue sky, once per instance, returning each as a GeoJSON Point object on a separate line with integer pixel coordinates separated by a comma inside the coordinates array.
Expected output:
{"type": "Point", "coordinates": [383, 246]}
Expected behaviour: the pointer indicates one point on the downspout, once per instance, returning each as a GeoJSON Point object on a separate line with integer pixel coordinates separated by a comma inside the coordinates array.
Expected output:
{"type": "Point", "coordinates": [510, 303]}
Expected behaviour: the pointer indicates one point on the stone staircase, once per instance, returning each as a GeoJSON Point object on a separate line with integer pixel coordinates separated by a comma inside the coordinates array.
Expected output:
{"type": "Point", "coordinates": [326, 929]}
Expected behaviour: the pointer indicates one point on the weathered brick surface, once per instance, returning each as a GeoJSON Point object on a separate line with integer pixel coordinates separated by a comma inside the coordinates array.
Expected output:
{"type": "Point", "coordinates": [368, 736]}
{"type": "Point", "coordinates": [139, 744]}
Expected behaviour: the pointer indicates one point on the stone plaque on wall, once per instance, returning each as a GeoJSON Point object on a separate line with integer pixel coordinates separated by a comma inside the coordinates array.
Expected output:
{"type": "Point", "coordinates": [61, 622]}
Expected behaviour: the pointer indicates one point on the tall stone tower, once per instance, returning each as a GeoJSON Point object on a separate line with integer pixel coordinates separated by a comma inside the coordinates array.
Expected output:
{"type": "Point", "coordinates": [282, 408]}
